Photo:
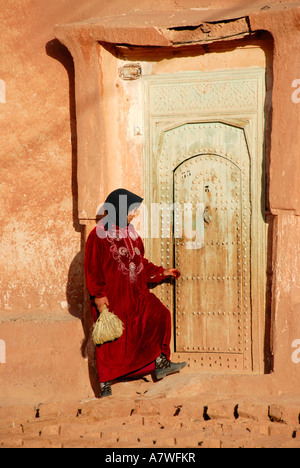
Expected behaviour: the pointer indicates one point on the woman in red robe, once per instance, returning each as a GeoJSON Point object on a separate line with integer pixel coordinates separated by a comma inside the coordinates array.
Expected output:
{"type": "Point", "coordinates": [117, 274]}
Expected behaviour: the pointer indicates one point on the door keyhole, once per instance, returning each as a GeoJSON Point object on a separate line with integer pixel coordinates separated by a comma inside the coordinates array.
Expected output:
{"type": "Point", "coordinates": [207, 215]}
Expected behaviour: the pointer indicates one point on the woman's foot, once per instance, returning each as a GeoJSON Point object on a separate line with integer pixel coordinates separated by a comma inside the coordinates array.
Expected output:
{"type": "Point", "coordinates": [164, 367]}
{"type": "Point", "coordinates": [105, 389]}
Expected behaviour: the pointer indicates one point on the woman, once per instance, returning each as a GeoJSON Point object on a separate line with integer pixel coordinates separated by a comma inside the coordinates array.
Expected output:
{"type": "Point", "coordinates": [117, 274]}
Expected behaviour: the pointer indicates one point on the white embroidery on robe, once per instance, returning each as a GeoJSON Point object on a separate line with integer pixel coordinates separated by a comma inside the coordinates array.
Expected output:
{"type": "Point", "coordinates": [129, 253]}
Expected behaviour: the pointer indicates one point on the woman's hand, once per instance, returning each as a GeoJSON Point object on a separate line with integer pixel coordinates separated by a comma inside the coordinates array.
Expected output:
{"type": "Point", "coordinates": [172, 272]}
{"type": "Point", "coordinates": [100, 302]}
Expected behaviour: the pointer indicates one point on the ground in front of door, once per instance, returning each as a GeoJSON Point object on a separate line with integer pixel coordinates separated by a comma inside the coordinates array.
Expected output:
{"type": "Point", "coordinates": [143, 414]}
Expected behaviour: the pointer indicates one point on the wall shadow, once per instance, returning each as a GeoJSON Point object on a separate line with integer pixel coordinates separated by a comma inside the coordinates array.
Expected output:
{"type": "Point", "coordinates": [268, 48]}
{"type": "Point", "coordinates": [60, 53]}
{"type": "Point", "coordinates": [79, 307]}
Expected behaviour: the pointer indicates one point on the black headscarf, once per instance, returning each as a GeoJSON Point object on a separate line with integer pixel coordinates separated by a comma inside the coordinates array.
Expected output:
{"type": "Point", "coordinates": [118, 205]}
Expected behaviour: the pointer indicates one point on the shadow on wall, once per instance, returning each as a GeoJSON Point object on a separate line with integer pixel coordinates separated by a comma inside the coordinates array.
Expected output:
{"type": "Point", "coordinates": [75, 288]}
{"type": "Point", "coordinates": [76, 297]}
{"type": "Point", "coordinates": [60, 53]}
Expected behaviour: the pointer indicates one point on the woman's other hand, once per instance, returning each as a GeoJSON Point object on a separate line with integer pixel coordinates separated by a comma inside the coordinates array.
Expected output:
{"type": "Point", "coordinates": [172, 272]}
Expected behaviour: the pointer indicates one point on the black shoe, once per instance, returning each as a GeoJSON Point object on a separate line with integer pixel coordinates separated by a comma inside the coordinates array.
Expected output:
{"type": "Point", "coordinates": [163, 367]}
{"type": "Point", "coordinates": [105, 389]}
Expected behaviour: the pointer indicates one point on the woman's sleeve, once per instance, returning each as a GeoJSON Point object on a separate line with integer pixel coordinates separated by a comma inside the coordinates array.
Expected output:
{"type": "Point", "coordinates": [154, 273]}
{"type": "Point", "coordinates": [93, 262]}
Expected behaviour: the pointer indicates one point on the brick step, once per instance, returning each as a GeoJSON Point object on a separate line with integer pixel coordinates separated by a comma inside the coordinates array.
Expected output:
{"type": "Point", "coordinates": [149, 431]}
{"type": "Point", "coordinates": [152, 422]}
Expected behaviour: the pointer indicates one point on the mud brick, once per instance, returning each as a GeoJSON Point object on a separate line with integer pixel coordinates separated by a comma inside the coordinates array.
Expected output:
{"type": "Point", "coordinates": [286, 413]}
{"type": "Point", "coordinates": [146, 408]}
{"type": "Point", "coordinates": [17, 412]}
{"type": "Point", "coordinates": [11, 428]}
{"type": "Point", "coordinates": [211, 443]}
{"type": "Point", "coordinates": [107, 409]}
{"type": "Point", "coordinates": [255, 428]}
{"type": "Point", "coordinates": [293, 443]}
{"type": "Point", "coordinates": [41, 443]}
{"type": "Point", "coordinates": [192, 409]}
{"type": "Point", "coordinates": [233, 443]}
{"type": "Point", "coordinates": [168, 407]}
{"type": "Point", "coordinates": [262, 429]}
{"type": "Point", "coordinates": [74, 430]}
{"type": "Point", "coordinates": [59, 409]}
{"type": "Point", "coordinates": [256, 410]}
{"type": "Point", "coordinates": [281, 429]}
{"type": "Point", "coordinates": [190, 438]}
{"type": "Point", "coordinates": [219, 410]}
{"type": "Point", "coordinates": [51, 430]}
{"type": "Point", "coordinates": [11, 442]}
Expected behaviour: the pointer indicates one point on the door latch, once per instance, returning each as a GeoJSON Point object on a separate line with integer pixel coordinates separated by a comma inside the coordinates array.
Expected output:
{"type": "Point", "coordinates": [207, 215]}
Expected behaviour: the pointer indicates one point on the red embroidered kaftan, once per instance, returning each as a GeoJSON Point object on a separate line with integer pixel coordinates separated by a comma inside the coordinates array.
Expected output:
{"type": "Point", "coordinates": [115, 267]}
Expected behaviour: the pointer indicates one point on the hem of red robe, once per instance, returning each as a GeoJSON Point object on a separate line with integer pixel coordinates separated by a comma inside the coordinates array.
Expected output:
{"type": "Point", "coordinates": [104, 374]}
{"type": "Point", "coordinates": [146, 370]}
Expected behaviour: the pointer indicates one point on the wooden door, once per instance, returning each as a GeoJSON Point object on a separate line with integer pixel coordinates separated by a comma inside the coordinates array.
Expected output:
{"type": "Point", "coordinates": [212, 295]}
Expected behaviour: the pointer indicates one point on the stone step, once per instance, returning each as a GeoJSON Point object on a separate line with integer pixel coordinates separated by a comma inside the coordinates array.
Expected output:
{"type": "Point", "coordinates": [147, 423]}
{"type": "Point", "coordinates": [131, 418]}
